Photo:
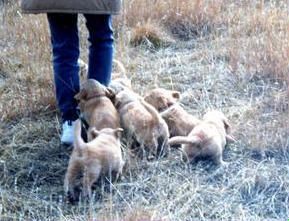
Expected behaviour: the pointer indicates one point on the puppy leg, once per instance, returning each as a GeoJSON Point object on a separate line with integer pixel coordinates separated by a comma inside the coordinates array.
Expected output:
{"type": "Point", "coordinates": [188, 155]}
{"type": "Point", "coordinates": [185, 158]}
{"type": "Point", "coordinates": [73, 170]}
{"type": "Point", "coordinates": [192, 159]}
{"type": "Point", "coordinates": [116, 175]}
{"type": "Point", "coordinates": [90, 176]}
{"type": "Point", "coordinates": [162, 148]}
{"type": "Point", "coordinates": [218, 160]}
{"type": "Point", "coordinates": [140, 150]}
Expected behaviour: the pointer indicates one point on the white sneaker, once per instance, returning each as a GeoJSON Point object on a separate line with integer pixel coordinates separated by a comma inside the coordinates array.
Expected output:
{"type": "Point", "coordinates": [67, 136]}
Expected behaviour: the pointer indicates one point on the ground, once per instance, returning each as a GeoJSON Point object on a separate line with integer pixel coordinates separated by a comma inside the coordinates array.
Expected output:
{"type": "Point", "coordinates": [213, 69]}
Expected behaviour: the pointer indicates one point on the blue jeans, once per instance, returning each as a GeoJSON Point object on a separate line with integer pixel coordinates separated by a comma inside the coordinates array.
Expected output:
{"type": "Point", "coordinates": [65, 49]}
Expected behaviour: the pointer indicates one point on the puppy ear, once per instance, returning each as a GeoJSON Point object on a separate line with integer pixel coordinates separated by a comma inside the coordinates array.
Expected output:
{"type": "Point", "coordinates": [125, 82]}
{"type": "Point", "coordinates": [227, 125]}
{"type": "Point", "coordinates": [147, 98]}
{"type": "Point", "coordinates": [82, 95]}
{"type": "Point", "coordinates": [118, 132]}
{"type": "Point", "coordinates": [176, 95]}
{"type": "Point", "coordinates": [94, 132]}
{"type": "Point", "coordinates": [128, 83]}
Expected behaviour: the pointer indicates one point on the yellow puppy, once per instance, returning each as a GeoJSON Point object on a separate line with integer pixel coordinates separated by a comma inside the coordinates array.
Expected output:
{"type": "Point", "coordinates": [102, 155]}
{"type": "Point", "coordinates": [96, 106]}
{"type": "Point", "coordinates": [119, 84]}
{"type": "Point", "coordinates": [207, 139]}
{"type": "Point", "coordinates": [142, 121]}
{"type": "Point", "coordinates": [179, 121]}
{"type": "Point", "coordinates": [161, 98]}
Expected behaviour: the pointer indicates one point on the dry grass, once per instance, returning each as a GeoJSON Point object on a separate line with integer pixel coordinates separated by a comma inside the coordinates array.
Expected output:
{"type": "Point", "coordinates": [150, 35]}
{"type": "Point", "coordinates": [25, 60]}
{"type": "Point", "coordinates": [184, 19]}
{"type": "Point", "coordinates": [223, 54]}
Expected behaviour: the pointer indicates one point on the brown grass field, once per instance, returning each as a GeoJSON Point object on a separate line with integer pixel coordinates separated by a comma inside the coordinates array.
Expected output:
{"type": "Point", "coordinates": [224, 54]}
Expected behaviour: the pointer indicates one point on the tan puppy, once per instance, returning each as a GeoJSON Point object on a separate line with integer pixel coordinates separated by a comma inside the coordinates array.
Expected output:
{"type": "Point", "coordinates": [119, 84]}
{"type": "Point", "coordinates": [179, 121]}
{"type": "Point", "coordinates": [102, 155]}
{"type": "Point", "coordinates": [96, 106]}
{"type": "Point", "coordinates": [83, 68]}
{"type": "Point", "coordinates": [207, 139]}
{"type": "Point", "coordinates": [161, 98]}
{"type": "Point", "coordinates": [119, 69]}
{"type": "Point", "coordinates": [120, 80]}
{"type": "Point", "coordinates": [141, 121]}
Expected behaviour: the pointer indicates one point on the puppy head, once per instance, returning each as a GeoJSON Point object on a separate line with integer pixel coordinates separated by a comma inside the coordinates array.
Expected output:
{"type": "Point", "coordinates": [91, 88]}
{"type": "Point", "coordinates": [219, 118]}
{"type": "Point", "coordinates": [106, 131]}
{"type": "Point", "coordinates": [162, 99]}
{"type": "Point", "coordinates": [125, 82]}
{"type": "Point", "coordinates": [120, 84]}
{"type": "Point", "coordinates": [124, 97]}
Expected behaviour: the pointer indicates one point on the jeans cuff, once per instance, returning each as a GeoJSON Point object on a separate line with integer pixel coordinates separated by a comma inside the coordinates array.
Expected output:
{"type": "Point", "coordinates": [70, 115]}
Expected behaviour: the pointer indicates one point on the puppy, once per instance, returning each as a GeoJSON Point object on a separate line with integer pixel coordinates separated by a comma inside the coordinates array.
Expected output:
{"type": "Point", "coordinates": [96, 106]}
{"type": "Point", "coordinates": [179, 121]}
{"type": "Point", "coordinates": [119, 84]}
{"type": "Point", "coordinates": [120, 80]}
{"type": "Point", "coordinates": [142, 122]}
{"type": "Point", "coordinates": [161, 98]}
{"type": "Point", "coordinates": [207, 139]}
{"type": "Point", "coordinates": [83, 68]}
{"type": "Point", "coordinates": [119, 69]}
{"type": "Point", "coordinates": [102, 155]}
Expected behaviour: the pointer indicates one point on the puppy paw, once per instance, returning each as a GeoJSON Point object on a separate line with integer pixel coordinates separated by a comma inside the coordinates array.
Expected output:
{"type": "Point", "coordinates": [73, 196]}
{"type": "Point", "coordinates": [224, 164]}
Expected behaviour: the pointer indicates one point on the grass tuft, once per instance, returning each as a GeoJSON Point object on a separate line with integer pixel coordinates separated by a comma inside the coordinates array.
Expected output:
{"type": "Point", "coordinates": [150, 35]}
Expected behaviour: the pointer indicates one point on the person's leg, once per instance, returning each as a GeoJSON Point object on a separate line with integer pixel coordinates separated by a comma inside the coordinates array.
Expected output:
{"type": "Point", "coordinates": [65, 49]}
{"type": "Point", "coordinates": [101, 47]}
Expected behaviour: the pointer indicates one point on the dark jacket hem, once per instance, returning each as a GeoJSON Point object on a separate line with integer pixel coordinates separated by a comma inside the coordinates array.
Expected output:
{"type": "Point", "coordinates": [72, 11]}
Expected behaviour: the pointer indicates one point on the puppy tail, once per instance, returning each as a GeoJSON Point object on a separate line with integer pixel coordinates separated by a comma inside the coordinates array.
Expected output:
{"type": "Point", "coordinates": [120, 67]}
{"type": "Point", "coordinates": [151, 110]}
{"type": "Point", "coordinates": [230, 138]}
{"type": "Point", "coordinates": [78, 141]}
{"type": "Point", "coordinates": [184, 140]}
